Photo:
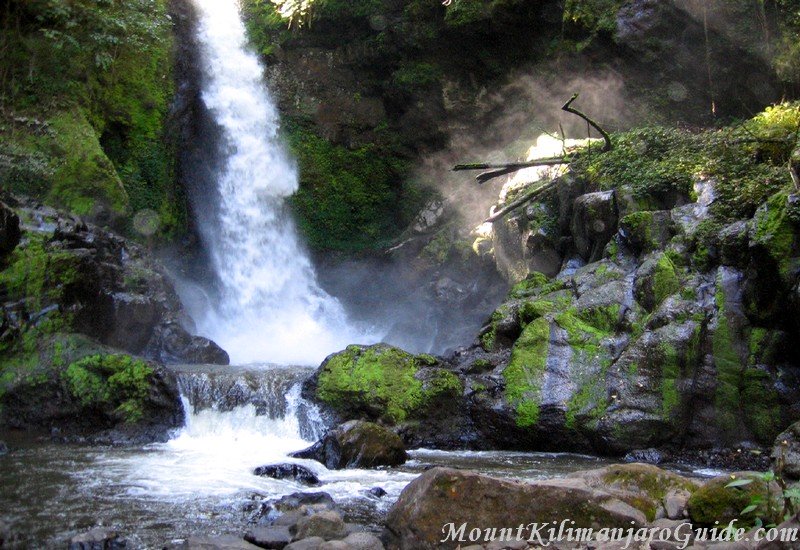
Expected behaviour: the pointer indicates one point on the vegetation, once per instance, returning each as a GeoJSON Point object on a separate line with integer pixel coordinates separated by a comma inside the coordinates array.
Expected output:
{"type": "Point", "coordinates": [85, 87]}
{"type": "Point", "coordinates": [118, 383]}
{"type": "Point", "coordinates": [349, 199]}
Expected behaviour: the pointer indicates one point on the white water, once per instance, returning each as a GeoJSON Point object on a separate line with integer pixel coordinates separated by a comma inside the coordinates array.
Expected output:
{"type": "Point", "coordinates": [271, 307]}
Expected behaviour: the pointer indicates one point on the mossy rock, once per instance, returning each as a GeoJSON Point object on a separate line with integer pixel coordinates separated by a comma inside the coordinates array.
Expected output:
{"type": "Point", "coordinates": [646, 232]}
{"type": "Point", "coordinates": [717, 502]}
{"type": "Point", "coordinates": [643, 486]}
{"type": "Point", "coordinates": [117, 384]}
{"type": "Point", "coordinates": [775, 230]}
{"type": "Point", "coordinates": [76, 173]}
{"type": "Point", "coordinates": [383, 382]}
{"type": "Point", "coordinates": [656, 279]}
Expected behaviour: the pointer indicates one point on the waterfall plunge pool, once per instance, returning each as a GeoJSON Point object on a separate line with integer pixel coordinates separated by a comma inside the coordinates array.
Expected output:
{"type": "Point", "coordinates": [201, 481]}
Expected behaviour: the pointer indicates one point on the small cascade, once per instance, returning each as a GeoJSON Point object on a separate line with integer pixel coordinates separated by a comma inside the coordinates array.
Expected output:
{"type": "Point", "coordinates": [261, 399]}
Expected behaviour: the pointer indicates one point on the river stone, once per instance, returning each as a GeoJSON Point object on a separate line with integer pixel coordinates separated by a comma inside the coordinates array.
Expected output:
{"type": "Point", "coordinates": [223, 542]}
{"type": "Point", "coordinates": [311, 543]}
{"type": "Point", "coordinates": [327, 524]}
{"type": "Point", "coordinates": [357, 444]}
{"type": "Point", "coordinates": [363, 541]}
{"type": "Point", "coordinates": [335, 545]}
{"type": "Point", "coordinates": [715, 501]}
{"type": "Point", "coordinates": [98, 539]}
{"type": "Point", "coordinates": [441, 496]}
{"type": "Point", "coordinates": [288, 471]}
{"type": "Point", "coordinates": [377, 492]}
{"type": "Point", "coordinates": [675, 503]}
{"type": "Point", "coordinates": [648, 456]}
{"type": "Point", "coordinates": [275, 537]}
{"type": "Point", "coordinates": [296, 501]}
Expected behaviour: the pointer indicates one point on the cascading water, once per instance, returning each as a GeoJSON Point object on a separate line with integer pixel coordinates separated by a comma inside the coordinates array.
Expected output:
{"type": "Point", "coordinates": [270, 306]}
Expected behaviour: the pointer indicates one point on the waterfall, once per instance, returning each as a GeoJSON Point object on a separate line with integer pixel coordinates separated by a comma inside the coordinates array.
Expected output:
{"type": "Point", "coordinates": [270, 306]}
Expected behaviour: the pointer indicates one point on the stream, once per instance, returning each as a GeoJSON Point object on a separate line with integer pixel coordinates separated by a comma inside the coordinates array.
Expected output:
{"type": "Point", "coordinates": [200, 482]}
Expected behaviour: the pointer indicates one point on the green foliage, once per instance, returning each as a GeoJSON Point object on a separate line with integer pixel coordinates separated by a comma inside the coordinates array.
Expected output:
{"type": "Point", "coordinates": [119, 383]}
{"type": "Point", "coordinates": [592, 17]}
{"type": "Point", "coordinates": [98, 72]}
{"type": "Point", "coordinates": [746, 161]}
{"type": "Point", "coordinates": [349, 199]}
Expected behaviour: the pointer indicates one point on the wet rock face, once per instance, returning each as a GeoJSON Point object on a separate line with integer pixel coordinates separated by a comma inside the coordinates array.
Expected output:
{"type": "Point", "coordinates": [104, 287]}
{"type": "Point", "coordinates": [646, 32]}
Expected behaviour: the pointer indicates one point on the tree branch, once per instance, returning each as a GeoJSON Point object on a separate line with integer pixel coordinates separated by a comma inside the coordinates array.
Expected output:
{"type": "Point", "coordinates": [513, 205]}
{"type": "Point", "coordinates": [606, 137]}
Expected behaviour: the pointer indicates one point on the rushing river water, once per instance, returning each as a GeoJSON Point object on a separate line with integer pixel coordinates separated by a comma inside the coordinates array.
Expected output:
{"type": "Point", "coordinates": [201, 481]}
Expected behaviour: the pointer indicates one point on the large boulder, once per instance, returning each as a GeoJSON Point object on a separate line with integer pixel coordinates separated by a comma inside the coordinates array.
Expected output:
{"type": "Point", "coordinates": [357, 444]}
{"type": "Point", "coordinates": [382, 382]}
{"type": "Point", "coordinates": [442, 498]}
{"type": "Point", "coordinates": [88, 280]}
{"type": "Point", "coordinates": [655, 491]}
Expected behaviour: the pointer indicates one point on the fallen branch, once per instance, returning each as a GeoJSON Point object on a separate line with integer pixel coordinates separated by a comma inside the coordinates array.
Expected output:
{"type": "Point", "coordinates": [519, 202]}
{"type": "Point", "coordinates": [497, 170]}
{"type": "Point", "coordinates": [606, 137]}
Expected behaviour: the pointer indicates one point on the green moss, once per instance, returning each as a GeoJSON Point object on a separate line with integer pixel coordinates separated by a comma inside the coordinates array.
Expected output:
{"type": "Point", "coordinates": [639, 227]}
{"type": "Point", "coordinates": [646, 479]}
{"type": "Point", "coordinates": [714, 502]}
{"type": "Point", "coordinates": [665, 279]}
{"type": "Point", "coordinates": [119, 383]}
{"type": "Point", "coordinates": [523, 375]}
{"type": "Point", "coordinates": [383, 380]}
{"type": "Point", "coordinates": [604, 318]}
{"type": "Point", "coordinates": [744, 393]}
{"type": "Point", "coordinates": [775, 231]}
{"type": "Point", "coordinates": [535, 284]}
{"type": "Point", "coordinates": [38, 275]}
{"type": "Point", "coordinates": [670, 373]}
{"type": "Point", "coordinates": [443, 384]}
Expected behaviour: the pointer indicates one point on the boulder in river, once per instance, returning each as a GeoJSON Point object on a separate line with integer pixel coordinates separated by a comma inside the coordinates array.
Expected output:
{"type": "Point", "coordinates": [327, 524]}
{"type": "Point", "coordinates": [98, 539]}
{"type": "Point", "coordinates": [443, 497]}
{"type": "Point", "coordinates": [357, 444]}
{"type": "Point", "coordinates": [288, 471]}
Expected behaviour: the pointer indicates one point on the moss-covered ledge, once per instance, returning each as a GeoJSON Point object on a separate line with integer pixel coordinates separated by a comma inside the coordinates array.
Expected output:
{"type": "Point", "coordinates": [385, 383]}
